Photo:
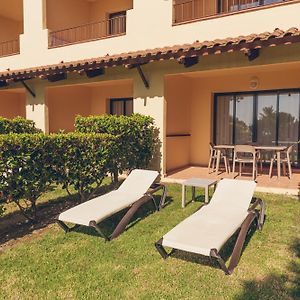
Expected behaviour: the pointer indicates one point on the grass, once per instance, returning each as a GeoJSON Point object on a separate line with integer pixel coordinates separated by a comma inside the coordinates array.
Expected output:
{"type": "Point", "coordinates": [80, 265]}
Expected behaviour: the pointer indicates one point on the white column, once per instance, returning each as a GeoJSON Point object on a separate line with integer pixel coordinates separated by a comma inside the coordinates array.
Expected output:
{"type": "Point", "coordinates": [34, 41]}
{"type": "Point", "coordinates": [36, 107]}
{"type": "Point", "coordinates": [152, 102]}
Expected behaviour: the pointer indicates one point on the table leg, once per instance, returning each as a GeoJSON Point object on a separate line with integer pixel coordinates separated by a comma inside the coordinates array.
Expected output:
{"type": "Point", "coordinates": [206, 194]}
{"type": "Point", "coordinates": [278, 164]}
{"type": "Point", "coordinates": [183, 196]}
{"type": "Point", "coordinates": [193, 193]}
{"type": "Point", "coordinates": [218, 160]}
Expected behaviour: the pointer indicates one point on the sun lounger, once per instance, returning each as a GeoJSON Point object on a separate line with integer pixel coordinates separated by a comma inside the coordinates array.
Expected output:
{"type": "Point", "coordinates": [207, 230]}
{"type": "Point", "coordinates": [137, 189]}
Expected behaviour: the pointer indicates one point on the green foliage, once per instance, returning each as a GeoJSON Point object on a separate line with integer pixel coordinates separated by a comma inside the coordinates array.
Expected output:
{"type": "Point", "coordinates": [17, 125]}
{"type": "Point", "coordinates": [1, 209]}
{"type": "Point", "coordinates": [136, 138]}
{"type": "Point", "coordinates": [29, 163]}
{"type": "Point", "coordinates": [24, 170]}
{"type": "Point", "coordinates": [81, 160]}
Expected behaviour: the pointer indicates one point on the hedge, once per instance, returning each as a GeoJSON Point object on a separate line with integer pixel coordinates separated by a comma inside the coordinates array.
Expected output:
{"type": "Point", "coordinates": [29, 163]}
{"type": "Point", "coordinates": [17, 125]}
{"type": "Point", "coordinates": [136, 138]}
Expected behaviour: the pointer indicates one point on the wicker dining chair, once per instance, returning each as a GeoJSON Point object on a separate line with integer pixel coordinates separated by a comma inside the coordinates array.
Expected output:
{"type": "Point", "coordinates": [245, 154]}
{"type": "Point", "coordinates": [284, 159]}
{"type": "Point", "coordinates": [213, 155]}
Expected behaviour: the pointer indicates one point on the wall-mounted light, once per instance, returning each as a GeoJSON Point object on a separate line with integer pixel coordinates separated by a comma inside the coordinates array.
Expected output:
{"type": "Point", "coordinates": [254, 83]}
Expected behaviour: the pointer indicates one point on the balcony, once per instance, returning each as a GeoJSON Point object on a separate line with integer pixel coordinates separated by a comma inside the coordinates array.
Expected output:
{"type": "Point", "coordinates": [71, 22]}
{"type": "Point", "coordinates": [191, 10]}
{"type": "Point", "coordinates": [11, 27]}
{"type": "Point", "coordinates": [8, 48]}
{"type": "Point", "coordinates": [89, 32]}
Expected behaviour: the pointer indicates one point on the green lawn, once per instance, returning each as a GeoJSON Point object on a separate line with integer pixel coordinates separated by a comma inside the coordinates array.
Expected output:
{"type": "Point", "coordinates": [80, 265]}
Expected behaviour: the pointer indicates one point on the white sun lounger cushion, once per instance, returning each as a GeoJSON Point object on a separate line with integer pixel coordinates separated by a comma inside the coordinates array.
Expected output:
{"type": "Point", "coordinates": [132, 189]}
{"type": "Point", "coordinates": [211, 226]}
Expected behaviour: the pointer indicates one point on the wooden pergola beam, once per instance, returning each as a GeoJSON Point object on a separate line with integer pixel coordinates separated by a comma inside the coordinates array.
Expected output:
{"type": "Point", "coordinates": [28, 88]}
{"type": "Point", "coordinates": [143, 77]}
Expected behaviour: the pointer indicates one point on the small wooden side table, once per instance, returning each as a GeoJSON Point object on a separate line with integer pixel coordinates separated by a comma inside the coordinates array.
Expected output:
{"type": "Point", "coordinates": [197, 182]}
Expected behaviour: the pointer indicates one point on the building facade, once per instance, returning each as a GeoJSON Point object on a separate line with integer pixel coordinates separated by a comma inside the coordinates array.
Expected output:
{"type": "Point", "coordinates": [226, 71]}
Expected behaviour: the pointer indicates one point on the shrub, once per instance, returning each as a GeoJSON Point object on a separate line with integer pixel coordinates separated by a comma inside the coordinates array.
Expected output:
{"type": "Point", "coordinates": [136, 138]}
{"type": "Point", "coordinates": [29, 163]}
{"type": "Point", "coordinates": [81, 160]}
{"type": "Point", "coordinates": [24, 170]}
{"type": "Point", "coordinates": [1, 209]}
{"type": "Point", "coordinates": [17, 125]}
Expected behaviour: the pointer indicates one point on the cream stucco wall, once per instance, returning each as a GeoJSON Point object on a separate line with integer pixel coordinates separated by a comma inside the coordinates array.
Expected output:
{"type": "Point", "coordinates": [65, 102]}
{"type": "Point", "coordinates": [178, 101]}
{"type": "Point", "coordinates": [12, 104]}
{"type": "Point", "coordinates": [204, 87]}
{"type": "Point", "coordinates": [112, 89]}
{"type": "Point", "coordinates": [142, 31]}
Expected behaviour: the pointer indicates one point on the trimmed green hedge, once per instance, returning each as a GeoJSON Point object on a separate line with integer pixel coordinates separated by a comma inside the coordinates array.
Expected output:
{"type": "Point", "coordinates": [136, 138]}
{"type": "Point", "coordinates": [29, 163]}
{"type": "Point", "coordinates": [17, 125]}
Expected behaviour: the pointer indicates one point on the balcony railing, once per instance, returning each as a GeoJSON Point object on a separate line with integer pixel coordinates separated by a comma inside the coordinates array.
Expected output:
{"type": "Point", "coordinates": [188, 10]}
{"type": "Point", "coordinates": [8, 48]}
{"type": "Point", "coordinates": [88, 32]}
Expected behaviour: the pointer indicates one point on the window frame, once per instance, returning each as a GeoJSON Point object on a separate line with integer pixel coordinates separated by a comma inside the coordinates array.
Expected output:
{"type": "Point", "coordinates": [255, 94]}
{"type": "Point", "coordinates": [124, 100]}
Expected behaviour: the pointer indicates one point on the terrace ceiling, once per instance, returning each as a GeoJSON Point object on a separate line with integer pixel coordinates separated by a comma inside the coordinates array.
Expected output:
{"type": "Point", "coordinates": [12, 9]}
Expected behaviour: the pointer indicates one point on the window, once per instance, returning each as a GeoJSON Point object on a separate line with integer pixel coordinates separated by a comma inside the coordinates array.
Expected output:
{"type": "Point", "coordinates": [265, 118]}
{"type": "Point", "coordinates": [121, 106]}
{"type": "Point", "coordinates": [117, 23]}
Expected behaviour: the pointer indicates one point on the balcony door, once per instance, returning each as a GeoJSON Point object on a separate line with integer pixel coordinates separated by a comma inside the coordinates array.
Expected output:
{"type": "Point", "coordinates": [117, 23]}
{"type": "Point", "coordinates": [262, 118]}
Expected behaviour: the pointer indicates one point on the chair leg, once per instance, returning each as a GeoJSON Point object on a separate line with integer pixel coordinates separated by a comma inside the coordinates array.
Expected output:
{"type": "Point", "coordinates": [209, 163]}
{"type": "Point", "coordinates": [226, 164]}
{"type": "Point", "coordinates": [253, 170]}
{"type": "Point", "coordinates": [284, 167]}
{"type": "Point", "coordinates": [271, 167]}
{"type": "Point", "coordinates": [233, 167]}
{"type": "Point", "coordinates": [289, 166]}
{"type": "Point", "coordinates": [213, 164]}
{"type": "Point", "coordinates": [240, 169]}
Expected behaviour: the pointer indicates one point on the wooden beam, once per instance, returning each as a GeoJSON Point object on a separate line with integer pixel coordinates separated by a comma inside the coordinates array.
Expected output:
{"type": "Point", "coordinates": [3, 83]}
{"type": "Point", "coordinates": [31, 92]}
{"type": "Point", "coordinates": [189, 61]}
{"type": "Point", "coordinates": [145, 81]}
{"type": "Point", "coordinates": [252, 54]}
{"type": "Point", "coordinates": [57, 77]}
{"type": "Point", "coordinates": [94, 72]}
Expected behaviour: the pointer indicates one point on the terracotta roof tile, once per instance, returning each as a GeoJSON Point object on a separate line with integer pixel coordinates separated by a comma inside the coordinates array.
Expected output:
{"type": "Point", "coordinates": [217, 46]}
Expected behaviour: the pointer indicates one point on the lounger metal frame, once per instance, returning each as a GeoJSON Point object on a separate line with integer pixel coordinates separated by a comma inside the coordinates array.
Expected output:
{"type": "Point", "coordinates": [121, 226]}
{"type": "Point", "coordinates": [253, 214]}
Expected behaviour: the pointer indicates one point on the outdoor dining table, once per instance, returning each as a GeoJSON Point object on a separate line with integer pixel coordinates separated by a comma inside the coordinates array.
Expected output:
{"type": "Point", "coordinates": [276, 149]}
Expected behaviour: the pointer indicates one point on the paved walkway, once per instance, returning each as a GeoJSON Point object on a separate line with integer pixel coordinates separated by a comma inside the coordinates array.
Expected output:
{"type": "Point", "coordinates": [283, 185]}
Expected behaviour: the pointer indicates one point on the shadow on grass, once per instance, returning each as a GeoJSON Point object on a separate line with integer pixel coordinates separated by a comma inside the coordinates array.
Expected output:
{"type": "Point", "coordinates": [108, 225]}
{"type": "Point", "coordinates": [225, 252]}
{"type": "Point", "coordinates": [14, 225]}
{"type": "Point", "coordinates": [276, 286]}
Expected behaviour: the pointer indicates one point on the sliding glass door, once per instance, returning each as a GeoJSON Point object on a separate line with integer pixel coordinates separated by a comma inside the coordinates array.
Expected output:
{"type": "Point", "coordinates": [263, 118]}
{"type": "Point", "coordinates": [243, 121]}
{"type": "Point", "coordinates": [288, 121]}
